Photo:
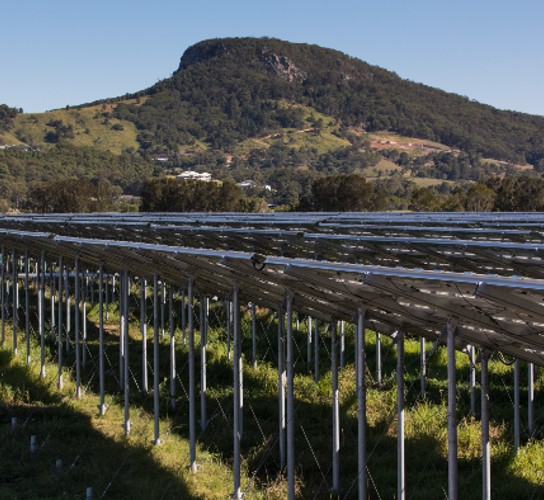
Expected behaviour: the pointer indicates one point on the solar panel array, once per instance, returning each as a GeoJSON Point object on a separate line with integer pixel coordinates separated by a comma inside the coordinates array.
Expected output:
{"type": "Point", "coordinates": [409, 271]}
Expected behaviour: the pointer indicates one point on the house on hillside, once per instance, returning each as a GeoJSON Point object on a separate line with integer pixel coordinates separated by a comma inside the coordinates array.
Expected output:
{"type": "Point", "coordinates": [196, 176]}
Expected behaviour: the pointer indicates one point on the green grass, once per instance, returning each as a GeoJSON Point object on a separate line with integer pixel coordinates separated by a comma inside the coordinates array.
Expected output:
{"type": "Point", "coordinates": [91, 128]}
{"type": "Point", "coordinates": [95, 451]}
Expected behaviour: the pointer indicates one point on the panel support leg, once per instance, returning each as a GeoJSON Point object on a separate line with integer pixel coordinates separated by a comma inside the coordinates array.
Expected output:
{"type": "Point", "coordinates": [60, 382]}
{"type": "Point", "coordinates": [335, 413]}
{"type": "Point", "coordinates": [290, 413]}
{"type": "Point", "coordinates": [281, 389]}
{"type": "Point", "coordinates": [101, 379]}
{"type": "Point", "coordinates": [203, 347]}
{"type": "Point", "coordinates": [156, 359]}
{"type": "Point", "coordinates": [452, 415]}
{"type": "Point", "coordinates": [486, 450]}
{"type": "Point", "coordinates": [41, 313]}
{"type": "Point", "coordinates": [378, 358]}
{"type": "Point", "coordinates": [237, 399]}
{"type": "Point", "coordinates": [123, 299]}
{"type": "Point", "coordinates": [401, 483]}
{"type": "Point", "coordinates": [530, 399]}
{"type": "Point", "coordinates": [143, 331]}
{"type": "Point", "coordinates": [423, 366]}
{"type": "Point", "coordinates": [172, 348]}
{"type": "Point", "coordinates": [361, 405]}
{"type": "Point", "coordinates": [516, 406]}
{"type": "Point", "coordinates": [192, 398]}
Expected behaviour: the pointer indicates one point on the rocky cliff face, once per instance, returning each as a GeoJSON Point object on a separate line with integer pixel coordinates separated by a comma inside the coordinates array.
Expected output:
{"type": "Point", "coordinates": [283, 67]}
{"type": "Point", "coordinates": [261, 55]}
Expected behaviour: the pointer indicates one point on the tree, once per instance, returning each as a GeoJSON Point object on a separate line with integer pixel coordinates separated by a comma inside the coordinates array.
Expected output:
{"type": "Point", "coordinates": [344, 193]}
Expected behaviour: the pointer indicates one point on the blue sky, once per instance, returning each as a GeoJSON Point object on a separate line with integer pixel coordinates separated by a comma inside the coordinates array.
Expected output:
{"type": "Point", "coordinates": [60, 52]}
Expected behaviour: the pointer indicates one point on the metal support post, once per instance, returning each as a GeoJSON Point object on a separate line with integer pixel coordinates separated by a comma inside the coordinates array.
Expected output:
{"type": "Point", "coordinates": [254, 334]}
{"type": "Point", "coordinates": [53, 288]}
{"type": "Point", "coordinates": [121, 336]}
{"type": "Point", "coordinates": [3, 295]}
{"type": "Point", "coordinates": [106, 298]}
{"type": "Point", "coordinates": [27, 315]}
{"type": "Point", "coordinates": [203, 345]}
{"type": "Point", "coordinates": [281, 389]}
{"type": "Point", "coordinates": [452, 416]}
{"type": "Point", "coordinates": [41, 313]}
{"type": "Point", "coordinates": [361, 404]}
{"type": "Point", "coordinates": [530, 399]}
{"type": "Point", "coordinates": [516, 406]}
{"type": "Point", "coordinates": [309, 343]}
{"type": "Point", "coordinates": [472, 373]}
{"type": "Point", "coordinates": [84, 325]}
{"type": "Point", "coordinates": [237, 494]}
{"type": "Point", "coordinates": [316, 350]}
{"type": "Point", "coordinates": [68, 319]}
{"type": "Point", "coordinates": [172, 348]}
{"type": "Point", "coordinates": [143, 330]}
{"type": "Point", "coordinates": [335, 413]}
{"type": "Point", "coordinates": [192, 398]}
{"type": "Point", "coordinates": [156, 359]}
{"type": "Point", "coordinates": [123, 298]}
{"type": "Point", "coordinates": [290, 410]}
{"type": "Point", "coordinates": [229, 326]}
{"type": "Point", "coordinates": [163, 305]}
{"type": "Point", "coordinates": [342, 345]}
{"type": "Point", "coordinates": [378, 358]}
{"type": "Point", "coordinates": [60, 382]}
{"type": "Point", "coordinates": [486, 449]}
{"type": "Point", "coordinates": [76, 327]}
{"type": "Point", "coordinates": [183, 318]}
{"type": "Point", "coordinates": [15, 318]}
{"type": "Point", "coordinates": [401, 483]}
{"type": "Point", "coordinates": [423, 365]}
{"type": "Point", "coordinates": [101, 379]}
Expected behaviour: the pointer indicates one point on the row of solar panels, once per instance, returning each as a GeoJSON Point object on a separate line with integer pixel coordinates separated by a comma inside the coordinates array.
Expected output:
{"type": "Point", "coordinates": [411, 284]}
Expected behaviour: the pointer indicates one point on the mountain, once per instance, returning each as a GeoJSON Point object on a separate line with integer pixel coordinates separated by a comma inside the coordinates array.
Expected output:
{"type": "Point", "coordinates": [283, 114]}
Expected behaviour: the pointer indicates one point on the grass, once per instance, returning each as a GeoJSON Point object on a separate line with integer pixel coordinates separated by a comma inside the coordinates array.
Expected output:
{"type": "Point", "coordinates": [90, 127]}
{"type": "Point", "coordinates": [95, 452]}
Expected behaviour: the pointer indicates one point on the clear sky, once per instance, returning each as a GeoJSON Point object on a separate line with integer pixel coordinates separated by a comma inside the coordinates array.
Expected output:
{"type": "Point", "coordinates": [59, 52]}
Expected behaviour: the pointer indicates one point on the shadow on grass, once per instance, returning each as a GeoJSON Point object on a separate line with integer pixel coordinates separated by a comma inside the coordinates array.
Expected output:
{"type": "Point", "coordinates": [426, 467]}
{"type": "Point", "coordinates": [114, 469]}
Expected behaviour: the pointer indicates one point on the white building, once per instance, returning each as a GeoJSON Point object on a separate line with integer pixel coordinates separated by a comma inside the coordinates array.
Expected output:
{"type": "Point", "coordinates": [197, 176]}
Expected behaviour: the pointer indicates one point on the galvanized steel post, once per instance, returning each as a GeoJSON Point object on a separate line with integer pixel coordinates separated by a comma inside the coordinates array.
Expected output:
{"type": "Point", "coordinates": [361, 404]}
{"type": "Point", "coordinates": [101, 377]}
{"type": "Point", "coordinates": [530, 399]}
{"type": "Point", "coordinates": [192, 397]}
{"type": "Point", "coordinates": [237, 494]}
{"type": "Point", "coordinates": [335, 413]}
{"type": "Point", "coordinates": [123, 298]}
{"type": "Point", "coordinates": [27, 318]}
{"type": "Point", "coordinates": [60, 382]}
{"type": "Point", "coordinates": [486, 449]}
{"type": "Point", "coordinates": [143, 330]}
{"type": "Point", "coordinates": [401, 482]}
{"type": "Point", "coordinates": [516, 406]}
{"type": "Point", "coordinates": [172, 345]}
{"type": "Point", "coordinates": [76, 328]}
{"type": "Point", "coordinates": [203, 346]}
{"type": "Point", "coordinates": [281, 389]}
{"type": "Point", "coordinates": [15, 287]}
{"type": "Point", "coordinates": [452, 416]}
{"type": "Point", "coordinates": [290, 410]}
{"type": "Point", "coordinates": [423, 365]}
{"type": "Point", "coordinates": [156, 439]}
{"type": "Point", "coordinates": [41, 313]}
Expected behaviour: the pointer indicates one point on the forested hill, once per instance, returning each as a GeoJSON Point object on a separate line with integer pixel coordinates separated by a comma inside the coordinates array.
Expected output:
{"type": "Point", "coordinates": [227, 90]}
{"type": "Point", "coordinates": [276, 117]}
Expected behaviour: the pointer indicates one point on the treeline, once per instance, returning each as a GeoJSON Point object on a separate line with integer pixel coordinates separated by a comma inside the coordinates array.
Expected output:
{"type": "Point", "coordinates": [22, 171]}
{"type": "Point", "coordinates": [228, 89]}
{"type": "Point", "coordinates": [7, 116]}
{"type": "Point", "coordinates": [175, 195]}
{"type": "Point", "coordinates": [518, 193]}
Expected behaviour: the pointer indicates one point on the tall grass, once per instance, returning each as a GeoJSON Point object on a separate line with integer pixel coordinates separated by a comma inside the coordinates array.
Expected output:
{"type": "Point", "coordinates": [95, 452]}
